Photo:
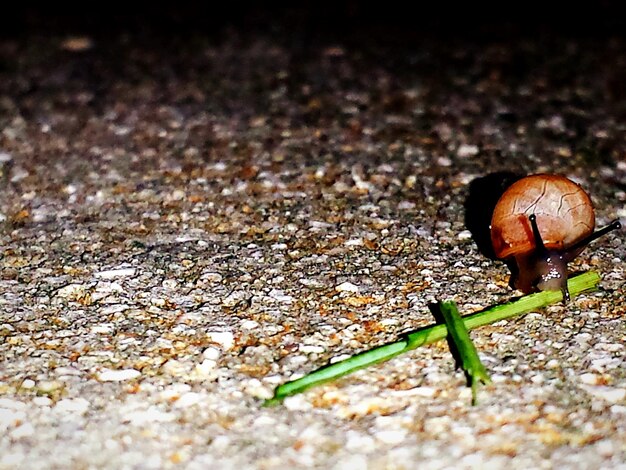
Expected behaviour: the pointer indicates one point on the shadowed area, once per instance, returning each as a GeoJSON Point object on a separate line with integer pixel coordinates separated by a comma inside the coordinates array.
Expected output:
{"type": "Point", "coordinates": [481, 200]}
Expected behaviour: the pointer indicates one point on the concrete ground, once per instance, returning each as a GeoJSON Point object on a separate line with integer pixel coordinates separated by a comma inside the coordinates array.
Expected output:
{"type": "Point", "coordinates": [188, 221]}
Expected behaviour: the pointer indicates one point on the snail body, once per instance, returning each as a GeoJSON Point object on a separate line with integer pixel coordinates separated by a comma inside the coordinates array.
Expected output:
{"type": "Point", "coordinates": [539, 224]}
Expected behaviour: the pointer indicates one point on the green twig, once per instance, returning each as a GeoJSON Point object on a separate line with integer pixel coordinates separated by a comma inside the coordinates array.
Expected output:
{"type": "Point", "coordinates": [576, 285]}
{"type": "Point", "coordinates": [470, 362]}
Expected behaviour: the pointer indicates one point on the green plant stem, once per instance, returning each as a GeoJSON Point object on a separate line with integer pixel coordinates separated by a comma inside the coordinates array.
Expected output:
{"type": "Point", "coordinates": [583, 283]}
{"type": "Point", "coordinates": [470, 362]}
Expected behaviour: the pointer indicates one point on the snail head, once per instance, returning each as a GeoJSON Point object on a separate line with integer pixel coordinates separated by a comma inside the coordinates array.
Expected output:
{"type": "Point", "coordinates": [546, 269]}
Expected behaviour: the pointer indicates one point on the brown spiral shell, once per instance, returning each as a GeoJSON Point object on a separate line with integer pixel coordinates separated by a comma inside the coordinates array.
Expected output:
{"type": "Point", "coordinates": [563, 209]}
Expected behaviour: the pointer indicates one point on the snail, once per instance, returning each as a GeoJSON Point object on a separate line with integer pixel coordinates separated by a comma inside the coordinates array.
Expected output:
{"type": "Point", "coordinates": [539, 224]}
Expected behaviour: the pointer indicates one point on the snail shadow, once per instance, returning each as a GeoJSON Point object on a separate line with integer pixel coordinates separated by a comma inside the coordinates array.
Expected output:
{"type": "Point", "coordinates": [481, 200]}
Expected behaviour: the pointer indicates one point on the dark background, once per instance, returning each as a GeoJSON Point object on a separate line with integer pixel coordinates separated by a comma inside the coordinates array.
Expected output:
{"type": "Point", "coordinates": [390, 21]}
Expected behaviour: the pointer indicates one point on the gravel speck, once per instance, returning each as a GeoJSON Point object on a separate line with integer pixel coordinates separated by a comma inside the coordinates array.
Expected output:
{"type": "Point", "coordinates": [391, 437]}
{"type": "Point", "coordinates": [9, 404]}
{"type": "Point", "coordinates": [589, 379]}
{"type": "Point", "coordinates": [225, 339]}
{"type": "Point", "coordinates": [347, 287]}
{"type": "Point", "coordinates": [76, 405]}
{"type": "Point", "coordinates": [23, 431]}
{"type": "Point", "coordinates": [211, 354]}
{"type": "Point", "coordinates": [188, 399]}
{"type": "Point", "coordinates": [606, 393]}
{"type": "Point", "coordinates": [464, 235]}
{"type": "Point", "coordinates": [104, 329]}
{"type": "Point", "coordinates": [296, 403]}
{"type": "Point", "coordinates": [312, 283]}
{"type": "Point", "coordinates": [311, 349]}
{"type": "Point", "coordinates": [280, 296]}
{"type": "Point", "coordinates": [116, 273]}
{"type": "Point", "coordinates": [111, 375]}
{"type": "Point", "coordinates": [42, 401]}
{"type": "Point", "coordinates": [73, 291]}
{"type": "Point", "coordinates": [28, 384]}
{"type": "Point", "coordinates": [250, 325]}
{"type": "Point", "coordinates": [466, 150]}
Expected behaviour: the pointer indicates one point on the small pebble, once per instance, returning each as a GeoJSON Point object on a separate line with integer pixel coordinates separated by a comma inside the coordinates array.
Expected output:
{"type": "Point", "coordinates": [406, 205]}
{"type": "Point", "coordinates": [103, 329]}
{"type": "Point", "coordinates": [464, 235]}
{"type": "Point", "coordinates": [175, 368]}
{"type": "Point", "coordinates": [223, 338]}
{"type": "Point", "coordinates": [28, 384]}
{"type": "Point", "coordinates": [356, 441]}
{"type": "Point", "coordinates": [391, 436]}
{"type": "Point", "coordinates": [205, 370]}
{"type": "Point", "coordinates": [188, 399]}
{"type": "Point", "coordinates": [72, 291]}
{"type": "Point", "coordinates": [220, 442]}
{"type": "Point", "coordinates": [553, 364]}
{"type": "Point", "coordinates": [609, 394]}
{"type": "Point", "coordinates": [48, 386]}
{"type": "Point", "coordinates": [537, 378]}
{"type": "Point", "coordinates": [235, 298]}
{"type": "Point", "coordinates": [9, 404]}
{"type": "Point", "coordinates": [112, 309]}
{"type": "Point", "coordinates": [312, 283]}
{"type": "Point", "coordinates": [175, 391]}
{"type": "Point", "coordinates": [297, 403]}
{"type": "Point", "coordinates": [280, 296]}
{"type": "Point", "coordinates": [311, 349]}
{"type": "Point", "coordinates": [77, 44]}
{"type": "Point", "coordinates": [444, 161]}
{"type": "Point", "coordinates": [22, 431]}
{"type": "Point", "coordinates": [76, 405]}
{"type": "Point", "coordinates": [339, 358]}
{"type": "Point", "coordinates": [18, 174]}
{"type": "Point", "coordinates": [347, 287]}
{"type": "Point", "coordinates": [213, 277]}
{"type": "Point", "coordinates": [319, 225]}
{"type": "Point", "coordinates": [116, 273]}
{"type": "Point", "coordinates": [264, 421]}
{"type": "Point", "coordinates": [170, 284]}
{"type": "Point", "coordinates": [605, 448]}
{"type": "Point", "coordinates": [249, 325]}
{"type": "Point", "coordinates": [589, 379]}
{"type": "Point", "coordinates": [466, 150]}
{"type": "Point", "coordinates": [211, 353]}
{"type": "Point", "coordinates": [110, 375]}
{"type": "Point", "coordinates": [256, 389]}
{"type": "Point", "coordinates": [42, 401]}
{"type": "Point", "coordinates": [61, 371]}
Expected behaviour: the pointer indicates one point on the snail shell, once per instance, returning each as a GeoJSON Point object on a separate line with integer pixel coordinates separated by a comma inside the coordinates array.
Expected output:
{"type": "Point", "coordinates": [563, 210]}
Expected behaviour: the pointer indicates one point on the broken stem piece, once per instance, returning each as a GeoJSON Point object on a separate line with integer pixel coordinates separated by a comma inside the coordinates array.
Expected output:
{"type": "Point", "coordinates": [470, 362]}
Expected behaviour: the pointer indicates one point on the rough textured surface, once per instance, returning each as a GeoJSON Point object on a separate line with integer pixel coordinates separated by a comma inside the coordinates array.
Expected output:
{"type": "Point", "coordinates": [187, 223]}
